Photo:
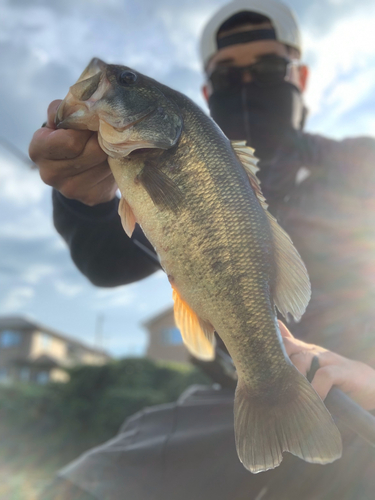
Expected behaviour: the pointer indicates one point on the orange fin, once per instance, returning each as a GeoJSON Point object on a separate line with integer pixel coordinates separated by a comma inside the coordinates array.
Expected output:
{"type": "Point", "coordinates": [198, 335]}
{"type": "Point", "coordinates": [127, 217]}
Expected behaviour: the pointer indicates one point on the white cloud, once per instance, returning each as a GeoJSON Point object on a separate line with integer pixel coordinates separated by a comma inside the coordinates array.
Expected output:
{"type": "Point", "coordinates": [68, 289]}
{"type": "Point", "coordinates": [35, 273]}
{"type": "Point", "coordinates": [342, 62]}
{"type": "Point", "coordinates": [19, 184]}
{"type": "Point", "coordinates": [117, 297]}
{"type": "Point", "coordinates": [31, 225]}
{"type": "Point", "coordinates": [349, 93]}
{"type": "Point", "coordinates": [58, 245]}
{"type": "Point", "coordinates": [17, 299]}
{"type": "Point", "coordinates": [184, 31]}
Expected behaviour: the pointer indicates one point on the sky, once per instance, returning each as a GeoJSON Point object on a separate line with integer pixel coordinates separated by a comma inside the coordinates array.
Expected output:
{"type": "Point", "coordinates": [45, 45]}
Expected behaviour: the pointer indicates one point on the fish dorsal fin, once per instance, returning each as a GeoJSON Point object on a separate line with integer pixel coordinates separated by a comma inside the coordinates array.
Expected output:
{"type": "Point", "coordinates": [249, 162]}
{"type": "Point", "coordinates": [292, 288]}
{"type": "Point", "coordinates": [198, 335]}
{"type": "Point", "coordinates": [127, 217]}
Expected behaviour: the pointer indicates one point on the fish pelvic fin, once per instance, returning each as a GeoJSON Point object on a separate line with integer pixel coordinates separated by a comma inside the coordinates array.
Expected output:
{"type": "Point", "coordinates": [292, 290]}
{"type": "Point", "coordinates": [198, 335]}
{"type": "Point", "coordinates": [127, 217]}
{"type": "Point", "coordinates": [298, 423]}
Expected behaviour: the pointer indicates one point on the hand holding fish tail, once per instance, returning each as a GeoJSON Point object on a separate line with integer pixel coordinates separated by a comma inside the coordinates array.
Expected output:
{"type": "Point", "coordinates": [72, 162]}
{"type": "Point", "coordinates": [354, 378]}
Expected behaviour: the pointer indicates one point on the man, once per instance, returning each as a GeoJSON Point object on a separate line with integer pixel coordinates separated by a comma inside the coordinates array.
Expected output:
{"type": "Point", "coordinates": [315, 186]}
{"type": "Point", "coordinates": [320, 190]}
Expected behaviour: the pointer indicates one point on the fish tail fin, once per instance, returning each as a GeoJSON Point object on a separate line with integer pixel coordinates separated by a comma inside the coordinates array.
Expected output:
{"type": "Point", "coordinates": [298, 422]}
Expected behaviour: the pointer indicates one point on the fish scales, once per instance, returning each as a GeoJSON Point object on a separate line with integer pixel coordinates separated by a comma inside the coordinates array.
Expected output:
{"type": "Point", "coordinates": [198, 201]}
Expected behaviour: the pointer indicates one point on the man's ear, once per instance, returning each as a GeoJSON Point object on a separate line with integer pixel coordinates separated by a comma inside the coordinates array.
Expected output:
{"type": "Point", "coordinates": [206, 92]}
{"type": "Point", "coordinates": [303, 77]}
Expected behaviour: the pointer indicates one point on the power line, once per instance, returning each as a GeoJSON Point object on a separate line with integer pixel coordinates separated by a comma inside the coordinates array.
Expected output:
{"type": "Point", "coordinates": [17, 152]}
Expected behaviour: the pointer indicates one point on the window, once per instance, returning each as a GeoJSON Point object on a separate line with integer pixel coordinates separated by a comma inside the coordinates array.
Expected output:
{"type": "Point", "coordinates": [171, 336]}
{"type": "Point", "coordinates": [46, 340]}
{"type": "Point", "coordinates": [74, 351]}
{"type": "Point", "coordinates": [10, 338]}
{"type": "Point", "coordinates": [42, 378]}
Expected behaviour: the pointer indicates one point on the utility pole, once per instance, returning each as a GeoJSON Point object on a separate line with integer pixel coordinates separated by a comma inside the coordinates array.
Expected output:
{"type": "Point", "coordinates": [99, 339]}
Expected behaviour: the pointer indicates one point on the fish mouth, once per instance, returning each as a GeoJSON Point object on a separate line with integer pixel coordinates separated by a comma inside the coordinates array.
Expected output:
{"type": "Point", "coordinates": [76, 110]}
{"type": "Point", "coordinates": [70, 116]}
{"type": "Point", "coordinates": [81, 116]}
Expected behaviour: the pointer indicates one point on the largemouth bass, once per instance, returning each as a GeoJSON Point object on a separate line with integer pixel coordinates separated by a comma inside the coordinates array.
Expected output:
{"type": "Point", "coordinates": [197, 198]}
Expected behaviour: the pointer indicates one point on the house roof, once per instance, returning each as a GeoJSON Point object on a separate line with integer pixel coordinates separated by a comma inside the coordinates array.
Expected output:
{"type": "Point", "coordinates": [29, 325]}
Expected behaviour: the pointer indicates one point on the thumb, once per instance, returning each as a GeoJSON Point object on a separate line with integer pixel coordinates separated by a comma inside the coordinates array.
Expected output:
{"type": "Point", "coordinates": [51, 113]}
{"type": "Point", "coordinates": [285, 333]}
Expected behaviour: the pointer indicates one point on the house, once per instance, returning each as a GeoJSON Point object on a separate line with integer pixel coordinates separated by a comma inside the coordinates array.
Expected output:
{"type": "Point", "coordinates": [165, 341]}
{"type": "Point", "coordinates": [35, 353]}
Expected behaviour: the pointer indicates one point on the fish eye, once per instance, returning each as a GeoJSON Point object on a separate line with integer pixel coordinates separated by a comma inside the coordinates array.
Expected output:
{"type": "Point", "coordinates": [127, 77]}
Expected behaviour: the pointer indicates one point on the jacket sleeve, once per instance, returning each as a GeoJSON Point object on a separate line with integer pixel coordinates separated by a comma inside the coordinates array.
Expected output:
{"type": "Point", "coordinates": [98, 244]}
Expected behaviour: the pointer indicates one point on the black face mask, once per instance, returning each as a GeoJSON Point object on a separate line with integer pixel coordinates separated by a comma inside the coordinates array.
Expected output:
{"type": "Point", "coordinates": [267, 117]}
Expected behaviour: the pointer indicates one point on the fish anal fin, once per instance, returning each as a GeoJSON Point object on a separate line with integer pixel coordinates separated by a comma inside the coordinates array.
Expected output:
{"type": "Point", "coordinates": [299, 424]}
{"type": "Point", "coordinates": [197, 334]}
{"type": "Point", "coordinates": [127, 217]}
{"type": "Point", "coordinates": [292, 291]}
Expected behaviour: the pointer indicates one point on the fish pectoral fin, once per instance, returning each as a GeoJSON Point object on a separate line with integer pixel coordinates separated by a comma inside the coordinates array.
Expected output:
{"type": "Point", "coordinates": [292, 290]}
{"type": "Point", "coordinates": [197, 334]}
{"type": "Point", "coordinates": [162, 190]}
{"type": "Point", "coordinates": [298, 423]}
{"type": "Point", "coordinates": [127, 217]}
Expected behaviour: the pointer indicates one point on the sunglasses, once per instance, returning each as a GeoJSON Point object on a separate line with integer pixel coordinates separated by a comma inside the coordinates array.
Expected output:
{"type": "Point", "coordinates": [267, 71]}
